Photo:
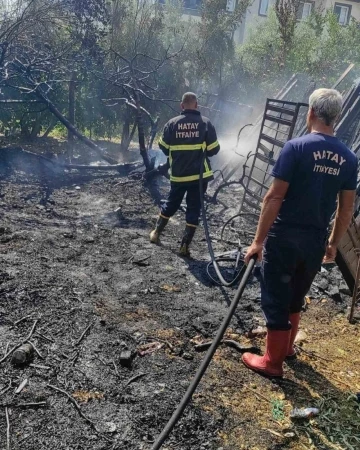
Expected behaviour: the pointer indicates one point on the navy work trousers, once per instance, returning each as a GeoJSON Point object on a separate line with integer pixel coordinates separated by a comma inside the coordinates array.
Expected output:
{"type": "Point", "coordinates": [292, 258]}
{"type": "Point", "coordinates": [193, 203]}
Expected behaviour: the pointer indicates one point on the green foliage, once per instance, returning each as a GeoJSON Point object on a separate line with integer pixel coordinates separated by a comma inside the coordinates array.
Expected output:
{"type": "Point", "coordinates": [215, 51]}
{"type": "Point", "coordinates": [286, 14]}
{"type": "Point", "coordinates": [261, 52]}
{"type": "Point", "coordinates": [120, 50]}
{"type": "Point", "coordinates": [338, 423]}
{"type": "Point", "coordinates": [320, 47]}
{"type": "Point", "coordinates": [277, 409]}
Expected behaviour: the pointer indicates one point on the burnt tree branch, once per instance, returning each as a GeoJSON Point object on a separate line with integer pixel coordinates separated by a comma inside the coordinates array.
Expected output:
{"type": "Point", "coordinates": [53, 109]}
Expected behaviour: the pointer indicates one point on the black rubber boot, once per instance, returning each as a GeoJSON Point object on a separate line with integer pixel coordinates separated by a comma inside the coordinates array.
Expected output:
{"type": "Point", "coordinates": [186, 240]}
{"type": "Point", "coordinates": [159, 228]}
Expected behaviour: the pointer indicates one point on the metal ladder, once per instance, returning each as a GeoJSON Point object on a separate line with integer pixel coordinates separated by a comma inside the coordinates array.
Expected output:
{"type": "Point", "coordinates": [278, 124]}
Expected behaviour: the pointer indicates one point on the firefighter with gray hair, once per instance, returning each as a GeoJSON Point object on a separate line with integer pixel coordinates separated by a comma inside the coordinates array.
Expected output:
{"type": "Point", "coordinates": [312, 174]}
{"type": "Point", "coordinates": [184, 141]}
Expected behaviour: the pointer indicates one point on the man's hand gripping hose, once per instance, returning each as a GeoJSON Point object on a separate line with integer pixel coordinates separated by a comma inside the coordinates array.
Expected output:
{"type": "Point", "coordinates": [255, 249]}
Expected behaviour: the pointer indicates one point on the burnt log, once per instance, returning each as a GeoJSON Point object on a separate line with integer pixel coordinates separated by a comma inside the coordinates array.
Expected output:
{"type": "Point", "coordinates": [53, 109]}
{"type": "Point", "coordinates": [17, 156]}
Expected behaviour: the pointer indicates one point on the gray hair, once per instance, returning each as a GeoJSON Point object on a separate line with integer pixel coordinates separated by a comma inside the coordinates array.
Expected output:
{"type": "Point", "coordinates": [189, 98]}
{"type": "Point", "coordinates": [326, 104]}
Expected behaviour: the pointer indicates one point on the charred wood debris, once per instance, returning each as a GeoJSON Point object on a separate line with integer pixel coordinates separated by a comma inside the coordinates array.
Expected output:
{"type": "Point", "coordinates": [328, 284]}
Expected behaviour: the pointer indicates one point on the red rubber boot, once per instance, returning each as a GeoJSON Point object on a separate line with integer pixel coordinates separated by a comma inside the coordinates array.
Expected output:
{"type": "Point", "coordinates": [277, 346]}
{"type": "Point", "coordinates": [294, 319]}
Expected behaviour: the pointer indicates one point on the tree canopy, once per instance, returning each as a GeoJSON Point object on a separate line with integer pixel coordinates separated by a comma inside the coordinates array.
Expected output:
{"type": "Point", "coordinates": [108, 67]}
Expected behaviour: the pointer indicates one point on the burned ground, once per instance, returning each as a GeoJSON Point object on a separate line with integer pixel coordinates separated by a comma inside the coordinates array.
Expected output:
{"type": "Point", "coordinates": [78, 259]}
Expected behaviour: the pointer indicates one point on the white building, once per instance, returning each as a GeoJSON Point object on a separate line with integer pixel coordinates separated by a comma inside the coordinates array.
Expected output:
{"type": "Point", "coordinates": [258, 11]}
{"type": "Point", "coordinates": [343, 9]}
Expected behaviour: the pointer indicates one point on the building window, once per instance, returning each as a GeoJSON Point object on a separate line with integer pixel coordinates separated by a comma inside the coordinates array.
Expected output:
{"type": "Point", "coordinates": [307, 7]}
{"type": "Point", "coordinates": [263, 8]}
{"type": "Point", "coordinates": [343, 13]}
{"type": "Point", "coordinates": [187, 4]}
{"type": "Point", "coordinates": [192, 4]}
{"type": "Point", "coordinates": [230, 5]}
{"type": "Point", "coordinates": [304, 11]}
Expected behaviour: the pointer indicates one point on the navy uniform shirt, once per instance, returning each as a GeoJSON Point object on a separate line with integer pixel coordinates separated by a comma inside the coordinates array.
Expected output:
{"type": "Point", "coordinates": [317, 166]}
{"type": "Point", "coordinates": [185, 140]}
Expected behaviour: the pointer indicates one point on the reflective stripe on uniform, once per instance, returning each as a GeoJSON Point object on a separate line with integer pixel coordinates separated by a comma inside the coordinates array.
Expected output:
{"type": "Point", "coordinates": [213, 145]}
{"type": "Point", "coordinates": [163, 143]}
{"type": "Point", "coordinates": [207, 168]}
{"type": "Point", "coordinates": [191, 177]}
{"type": "Point", "coordinates": [186, 147]}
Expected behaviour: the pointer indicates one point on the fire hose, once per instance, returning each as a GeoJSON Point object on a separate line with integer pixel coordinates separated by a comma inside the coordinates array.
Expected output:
{"type": "Point", "coordinates": [215, 260]}
{"type": "Point", "coordinates": [225, 323]}
{"type": "Point", "coordinates": [236, 256]}
{"type": "Point", "coordinates": [206, 361]}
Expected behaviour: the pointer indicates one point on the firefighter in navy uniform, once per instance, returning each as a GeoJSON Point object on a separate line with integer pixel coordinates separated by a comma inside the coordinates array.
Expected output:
{"type": "Point", "coordinates": [184, 141]}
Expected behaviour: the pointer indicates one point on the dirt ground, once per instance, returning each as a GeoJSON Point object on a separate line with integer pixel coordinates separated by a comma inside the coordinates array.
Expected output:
{"type": "Point", "coordinates": [75, 257]}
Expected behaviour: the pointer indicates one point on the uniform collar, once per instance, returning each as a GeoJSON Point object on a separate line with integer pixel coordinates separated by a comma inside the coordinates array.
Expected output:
{"type": "Point", "coordinates": [190, 111]}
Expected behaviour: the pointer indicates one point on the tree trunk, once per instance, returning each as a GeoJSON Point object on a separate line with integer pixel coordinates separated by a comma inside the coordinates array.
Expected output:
{"type": "Point", "coordinates": [72, 93]}
{"type": "Point", "coordinates": [24, 129]}
{"type": "Point", "coordinates": [126, 140]}
{"type": "Point", "coordinates": [53, 109]}
{"type": "Point", "coordinates": [132, 134]}
{"type": "Point", "coordinates": [36, 128]}
{"type": "Point", "coordinates": [140, 125]}
{"type": "Point", "coordinates": [125, 132]}
{"type": "Point", "coordinates": [51, 126]}
{"type": "Point", "coordinates": [71, 114]}
{"type": "Point", "coordinates": [154, 129]}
